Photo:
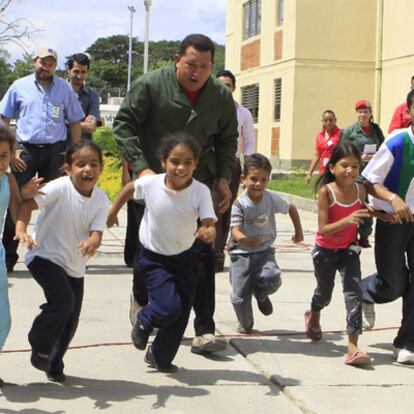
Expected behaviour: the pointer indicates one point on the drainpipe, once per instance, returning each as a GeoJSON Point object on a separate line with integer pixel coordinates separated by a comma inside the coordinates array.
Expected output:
{"type": "Point", "coordinates": [378, 61]}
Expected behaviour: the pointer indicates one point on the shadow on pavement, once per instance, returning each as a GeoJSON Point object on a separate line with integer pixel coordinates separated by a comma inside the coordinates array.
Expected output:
{"type": "Point", "coordinates": [103, 392]}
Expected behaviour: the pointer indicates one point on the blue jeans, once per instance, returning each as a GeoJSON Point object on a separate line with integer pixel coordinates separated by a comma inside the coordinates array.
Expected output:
{"type": "Point", "coordinates": [394, 257]}
{"type": "Point", "coordinates": [252, 274]}
{"type": "Point", "coordinates": [346, 261]}
{"type": "Point", "coordinates": [5, 320]}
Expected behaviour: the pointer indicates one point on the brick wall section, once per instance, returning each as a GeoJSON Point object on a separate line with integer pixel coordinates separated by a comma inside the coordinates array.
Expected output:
{"type": "Point", "coordinates": [250, 55]}
{"type": "Point", "coordinates": [278, 45]}
{"type": "Point", "coordinates": [275, 142]}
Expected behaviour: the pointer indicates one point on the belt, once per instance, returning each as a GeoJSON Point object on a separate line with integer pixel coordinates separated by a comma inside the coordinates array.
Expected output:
{"type": "Point", "coordinates": [45, 146]}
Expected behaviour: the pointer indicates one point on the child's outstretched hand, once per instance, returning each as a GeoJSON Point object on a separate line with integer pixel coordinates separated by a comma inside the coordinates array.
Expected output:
{"type": "Point", "coordinates": [26, 240]}
{"type": "Point", "coordinates": [357, 216]}
{"type": "Point", "coordinates": [111, 220]}
{"type": "Point", "coordinates": [297, 237]}
{"type": "Point", "coordinates": [206, 234]}
{"type": "Point", "coordinates": [87, 248]}
{"type": "Point", "coordinates": [32, 188]}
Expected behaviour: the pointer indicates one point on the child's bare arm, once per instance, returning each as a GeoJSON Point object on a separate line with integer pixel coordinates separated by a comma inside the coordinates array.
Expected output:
{"type": "Point", "coordinates": [294, 216]}
{"type": "Point", "coordinates": [126, 194]}
{"type": "Point", "coordinates": [15, 199]}
{"type": "Point", "coordinates": [23, 219]}
{"type": "Point", "coordinates": [89, 246]}
{"type": "Point", "coordinates": [32, 188]}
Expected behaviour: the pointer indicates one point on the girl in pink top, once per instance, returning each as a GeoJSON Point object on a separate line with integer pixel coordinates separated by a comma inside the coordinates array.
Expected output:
{"type": "Point", "coordinates": [340, 211]}
{"type": "Point", "coordinates": [325, 143]}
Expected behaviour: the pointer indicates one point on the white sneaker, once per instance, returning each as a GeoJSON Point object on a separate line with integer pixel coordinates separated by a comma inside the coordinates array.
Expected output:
{"type": "Point", "coordinates": [405, 357]}
{"type": "Point", "coordinates": [368, 315]}
{"type": "Point", "coordinates": [134, 308]}
{"type": "Point", "coordinates": [395, 352]}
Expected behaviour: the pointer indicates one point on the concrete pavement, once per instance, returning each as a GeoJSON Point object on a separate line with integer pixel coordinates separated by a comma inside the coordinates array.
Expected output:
{"type": "Point", "coordinates": [275, 370]}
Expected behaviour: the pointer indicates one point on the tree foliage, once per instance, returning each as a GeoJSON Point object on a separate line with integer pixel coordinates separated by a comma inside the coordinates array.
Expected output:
{"type": "Point", "coordinates": [108, 73]}
{"type": "Point", "coordinates": [11, 29]}
{"type": "Point", "coordinates": [109, 70]}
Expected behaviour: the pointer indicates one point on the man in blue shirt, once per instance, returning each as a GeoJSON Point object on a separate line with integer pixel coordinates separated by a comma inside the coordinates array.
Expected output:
{"type": "Point", "coordinates": [78, 69]}
{"type": "Point", "coordinates": [43, 105]}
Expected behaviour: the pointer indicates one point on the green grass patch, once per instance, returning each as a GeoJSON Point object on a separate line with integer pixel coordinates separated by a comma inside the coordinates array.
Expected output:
{"type": "Point", "coordinates": [295, 184]}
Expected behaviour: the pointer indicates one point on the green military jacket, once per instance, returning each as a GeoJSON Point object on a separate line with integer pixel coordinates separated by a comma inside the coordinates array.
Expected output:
{"type": "Point", "coordinates": [357, 136]}
{"type": "Point", "coordinates": [156, 106]}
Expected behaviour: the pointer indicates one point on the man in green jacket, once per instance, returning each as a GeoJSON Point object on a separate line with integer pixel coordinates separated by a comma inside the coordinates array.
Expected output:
{"type": "Point", "coordinates": [183, 97]}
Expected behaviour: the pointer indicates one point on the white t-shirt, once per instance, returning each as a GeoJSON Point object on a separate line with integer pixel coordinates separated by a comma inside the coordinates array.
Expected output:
{"type": "Point", "coordinates": [247, 135]}
{"type": "Point", "coordinates": [65, 219]}
{"type": "Point", "coordinates": [170, 217]}
{"type": "Point", "coordinates": [393, 166]}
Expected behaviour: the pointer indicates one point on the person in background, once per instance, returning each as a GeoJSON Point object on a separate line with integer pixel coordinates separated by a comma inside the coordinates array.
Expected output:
{"type": "Point", "coordinates": [325, 143]}
{"type": "Point", "coordinates": [78, 69]}
{"type": "Point", "coordinates": [246, 145]}
{"type": "Point", "coordinates": [401, 118]}
{"type": "Point", "coordinates": [367, 136]}
{"type": "Point", "coordinates": [43, 105]}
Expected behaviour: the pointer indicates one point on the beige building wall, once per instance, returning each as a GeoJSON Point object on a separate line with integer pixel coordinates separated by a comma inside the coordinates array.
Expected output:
{"type": "Point", "coordinates": [397, 56]}
{"type": "Point", "coordinates": [329, 56]}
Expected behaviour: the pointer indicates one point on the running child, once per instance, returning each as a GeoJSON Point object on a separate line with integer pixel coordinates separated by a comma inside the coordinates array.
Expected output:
{"type": "Point", "coordinates": [253, 268]}
{"type": "Point", "coordinates": [9, 197]}
{"type": "Point", "coordinates": [169, 237]}
{"type": "Point", "coordinates": [67, 232]}
{"type": "Point", "coordinates": [340, 211]}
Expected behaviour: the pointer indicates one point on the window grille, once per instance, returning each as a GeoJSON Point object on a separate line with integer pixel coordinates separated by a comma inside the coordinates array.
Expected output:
{"type": "Point", "coordinates": [252, 17]}
{"type": "Point", "coordinates": [250, 99]}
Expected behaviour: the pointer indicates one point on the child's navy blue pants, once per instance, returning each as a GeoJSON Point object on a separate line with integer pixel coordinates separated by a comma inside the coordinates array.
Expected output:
{"type": "Point", "coordinates": [54, 327]}
{"type": "Point", "coordinates": [172, 284]}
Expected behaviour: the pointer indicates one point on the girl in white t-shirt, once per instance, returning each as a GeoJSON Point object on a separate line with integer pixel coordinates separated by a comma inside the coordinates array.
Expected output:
{"type": "Point", "coordinates": [174, 201]}
{"type": "Point", "coordinates": [67, 232]}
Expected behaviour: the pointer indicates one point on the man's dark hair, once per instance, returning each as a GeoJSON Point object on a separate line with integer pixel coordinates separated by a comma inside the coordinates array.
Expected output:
{"type": "Point", "coordinates": [80, 58]}
{"type": "Point", "coordinates": [226, 74]}
{"type": "Point", "coordinates": [410, 98]}
{"type": "Point", "coordinates": [256, 161]}
{"type": "Point", "coordinates": [198, 42]}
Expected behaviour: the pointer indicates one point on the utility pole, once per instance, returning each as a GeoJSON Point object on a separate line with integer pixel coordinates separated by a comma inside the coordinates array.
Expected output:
{"type": "Point", "coordinates": [147, 4]}
{"type": "Point", "coordinates": [132, 11]}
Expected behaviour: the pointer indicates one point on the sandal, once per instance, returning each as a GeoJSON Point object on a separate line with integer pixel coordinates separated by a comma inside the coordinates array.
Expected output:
{"type": "Point", "coordinates": [310, 331]}
{"type": "Point", "coordinates": [358, 358]}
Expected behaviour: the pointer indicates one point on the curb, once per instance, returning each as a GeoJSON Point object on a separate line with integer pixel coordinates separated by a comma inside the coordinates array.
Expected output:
{"type": "Point", "coordinates": [300, 202]}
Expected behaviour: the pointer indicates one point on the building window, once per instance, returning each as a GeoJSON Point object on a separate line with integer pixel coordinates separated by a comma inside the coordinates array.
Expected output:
{"type": "Point", "coordinates": [278, 99]}
{"type": "Point", "coordinates": [252, 17]}
{"type": "Point", "coordinates": [250, 99]}
{"type": "Point", "coordinates": [280, 12]}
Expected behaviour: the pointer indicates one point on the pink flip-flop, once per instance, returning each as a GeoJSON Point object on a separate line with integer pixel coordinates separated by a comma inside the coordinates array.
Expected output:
{"type": "Point", "coordinates": [358, 358]}
{"type": "Point", "coordinates": [311, 332]}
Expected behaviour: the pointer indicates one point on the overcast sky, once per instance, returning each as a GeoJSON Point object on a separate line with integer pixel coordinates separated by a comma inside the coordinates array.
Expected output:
{"type": "Point", "coordinates": [71, 26]}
